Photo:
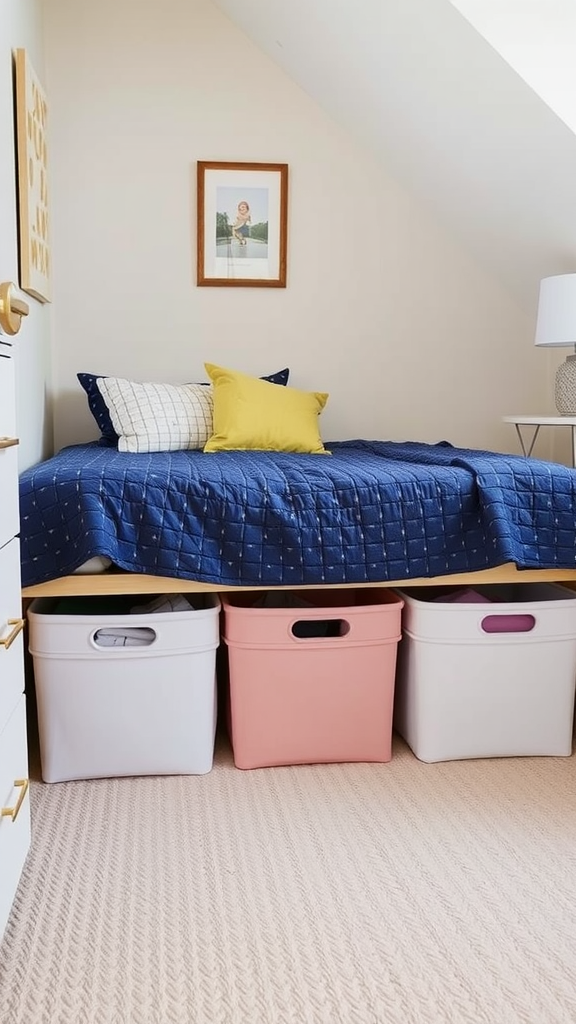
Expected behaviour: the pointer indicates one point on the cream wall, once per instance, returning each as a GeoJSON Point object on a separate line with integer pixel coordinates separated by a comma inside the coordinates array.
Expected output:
{"type": "Point", "coordinates": [382, 308]}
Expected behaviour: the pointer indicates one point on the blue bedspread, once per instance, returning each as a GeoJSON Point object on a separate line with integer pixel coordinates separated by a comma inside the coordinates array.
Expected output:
{"type": "Point", "coordinates": [371, 511]}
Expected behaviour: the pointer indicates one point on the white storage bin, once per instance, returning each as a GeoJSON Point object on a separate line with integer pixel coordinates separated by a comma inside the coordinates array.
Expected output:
{"type": "Point", "coordinates": [487, 679]}
{"type": "Point", "coordinates": [119, 710]}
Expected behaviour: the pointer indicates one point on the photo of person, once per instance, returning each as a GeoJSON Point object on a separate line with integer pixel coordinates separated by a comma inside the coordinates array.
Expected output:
{"type": "Point", "coordinates": [242, 214]}
{"type": "Point", "coordinates": [241, 225]}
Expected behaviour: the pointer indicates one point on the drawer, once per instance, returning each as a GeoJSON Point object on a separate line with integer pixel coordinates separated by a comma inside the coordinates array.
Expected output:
{"type": "Point", "coordinates": [14, 827]}
{"type": "Point", "coordinates": [7, 392]}
{"type": "Point", "coordinates": [9, 522]}
{"type": "Point", "coordinates": [11, 654]}
{"type": "Point", "coordinates": [9, 509]}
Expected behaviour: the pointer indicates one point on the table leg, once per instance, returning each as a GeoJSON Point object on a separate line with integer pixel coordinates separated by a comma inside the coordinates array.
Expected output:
{"type": "Point", "coordinates": [528, 452]}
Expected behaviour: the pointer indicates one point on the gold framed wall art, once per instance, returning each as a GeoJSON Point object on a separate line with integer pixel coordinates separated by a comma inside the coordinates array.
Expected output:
{"type": "Point", "coordinates": [32, 160]}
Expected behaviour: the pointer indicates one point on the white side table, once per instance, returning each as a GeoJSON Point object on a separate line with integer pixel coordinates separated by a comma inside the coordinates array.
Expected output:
{"type": "Point", "coordinates": [535, 422]}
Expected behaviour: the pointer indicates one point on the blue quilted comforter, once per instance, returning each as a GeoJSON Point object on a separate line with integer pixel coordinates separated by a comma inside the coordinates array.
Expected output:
{"type": "Point", "coordinates": [372, 511]}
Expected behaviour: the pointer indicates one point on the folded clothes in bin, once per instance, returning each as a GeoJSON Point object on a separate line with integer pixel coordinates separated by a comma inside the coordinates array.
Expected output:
{"type": "Point", "coordinates": [464, 595]}
{"type": "Point", "coordinates": [121, 604]}
{"type": "Point", "coordinates": [124, 636]}
{"type": "Point", "coordinates": [163, 603]}
{"type": "Point", "coordinates": [305, 629]}
{"type": "Point", "coordinates": [140, 636]}
{"type": "Point", "coordinates": [281, 599]}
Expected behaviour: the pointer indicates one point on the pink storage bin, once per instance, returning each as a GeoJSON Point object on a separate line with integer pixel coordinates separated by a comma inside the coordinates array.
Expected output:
{"type": "Point", "coordinates": [312, 684]}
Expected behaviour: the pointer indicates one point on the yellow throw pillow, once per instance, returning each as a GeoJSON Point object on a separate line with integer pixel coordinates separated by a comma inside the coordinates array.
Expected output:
{"type": "Point", "coordinates": [250, 413]}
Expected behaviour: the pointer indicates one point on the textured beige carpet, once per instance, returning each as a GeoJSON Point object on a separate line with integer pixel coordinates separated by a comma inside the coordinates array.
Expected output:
{"type": "Point", "coordinates": [395, 894]}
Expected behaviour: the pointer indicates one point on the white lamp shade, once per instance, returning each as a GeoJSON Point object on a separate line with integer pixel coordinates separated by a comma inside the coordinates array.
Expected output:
{"type": "Point", "coordinates": [556, 323]}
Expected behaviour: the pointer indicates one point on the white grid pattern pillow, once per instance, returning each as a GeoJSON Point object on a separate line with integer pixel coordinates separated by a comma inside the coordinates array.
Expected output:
{"type": "Point", "coordinates": [158, 417]}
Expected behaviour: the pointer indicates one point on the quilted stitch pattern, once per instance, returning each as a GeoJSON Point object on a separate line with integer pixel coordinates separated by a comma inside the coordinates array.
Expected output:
{"type": "Point", "coordinates": [374, 511]}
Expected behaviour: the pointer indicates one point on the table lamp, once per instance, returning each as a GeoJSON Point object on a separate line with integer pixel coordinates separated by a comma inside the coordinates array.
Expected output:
{"type": "Point", "coordinates": [555, 326]}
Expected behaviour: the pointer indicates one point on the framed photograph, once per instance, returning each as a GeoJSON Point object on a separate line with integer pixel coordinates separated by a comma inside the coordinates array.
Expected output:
{"type": "Point", "coordinates": [242, 224]}
{"type": "Point", "coordinates": [31, 124]}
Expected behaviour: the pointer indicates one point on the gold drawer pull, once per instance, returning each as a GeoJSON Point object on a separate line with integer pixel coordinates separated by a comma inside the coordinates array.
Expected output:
{"type": "Point", "coordinates": [18, 627]}
{"type": "Point", "coordinates": [12, 309]}
{"type": "Point", "coordinates": [12, 812]}
{"type": "Point", "coordinates": [8, 442]}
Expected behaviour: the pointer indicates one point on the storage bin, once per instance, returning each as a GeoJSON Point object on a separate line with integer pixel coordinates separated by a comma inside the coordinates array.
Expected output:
{"type": "Point", "coordinates": [123, 710]}
{"type": "Point", "coordinates": [492, 675]}
{"type": "Point", "coordinates": [313, 683]}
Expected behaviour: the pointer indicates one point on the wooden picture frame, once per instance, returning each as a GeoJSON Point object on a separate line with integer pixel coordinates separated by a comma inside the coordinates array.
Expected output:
{"type": "Point", "coordinates": [242, 224]}
{"type": "Point", "coordinates": [32, 159]}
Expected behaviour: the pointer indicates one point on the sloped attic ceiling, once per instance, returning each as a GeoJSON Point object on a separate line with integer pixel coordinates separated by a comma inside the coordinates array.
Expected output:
{"type": "Point", "coordinates": [414, 82]}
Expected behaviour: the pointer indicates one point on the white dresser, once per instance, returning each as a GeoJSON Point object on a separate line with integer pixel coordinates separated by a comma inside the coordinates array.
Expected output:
{"type": "Point", "coordinates": [14, 798]}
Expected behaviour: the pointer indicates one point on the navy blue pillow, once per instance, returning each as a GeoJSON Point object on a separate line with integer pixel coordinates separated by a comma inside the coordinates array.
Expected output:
{"type": "Point", "coordinates": [99, 409]}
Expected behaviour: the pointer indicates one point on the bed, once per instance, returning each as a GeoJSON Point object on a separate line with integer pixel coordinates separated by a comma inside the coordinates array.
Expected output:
{"type": "Point", "coordinates": [368, 513]}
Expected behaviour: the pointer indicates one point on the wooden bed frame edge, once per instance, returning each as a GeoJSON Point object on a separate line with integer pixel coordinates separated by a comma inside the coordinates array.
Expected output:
{"type": "Point", "coordinates": [83, 585]}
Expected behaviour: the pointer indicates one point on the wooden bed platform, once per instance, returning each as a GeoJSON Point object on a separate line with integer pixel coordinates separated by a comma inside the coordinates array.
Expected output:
{"type": "Point", "coordinates": [82, 585]}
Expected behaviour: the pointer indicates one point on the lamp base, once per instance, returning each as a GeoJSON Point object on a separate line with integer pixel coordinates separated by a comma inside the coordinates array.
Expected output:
{"type": "Point", "coordinates": [565, 392]}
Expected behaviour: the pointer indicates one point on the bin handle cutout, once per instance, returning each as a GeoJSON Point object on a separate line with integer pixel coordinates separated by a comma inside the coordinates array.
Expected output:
{"type": "Point", "coordinates": [508, 623]}
{"type": "Point", "coordinates": [123, 637]}
{"type": "Point", "coordinates": [318, 629]}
